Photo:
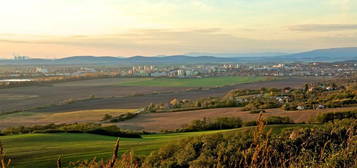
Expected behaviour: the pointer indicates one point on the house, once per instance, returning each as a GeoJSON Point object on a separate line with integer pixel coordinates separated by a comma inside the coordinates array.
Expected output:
{"type": "Point", "coordinates": [280, 99]}
{"type": "Point", "coordinates": [41, 70]}
{"type": "Point", "coordinates": [329, 88]}
{"type": "Point", "coordinates": [300, 108]}
{"type": "Point", "coordinates": [320, 106]}
{"type": "Point", "coordinates": [287, 90]}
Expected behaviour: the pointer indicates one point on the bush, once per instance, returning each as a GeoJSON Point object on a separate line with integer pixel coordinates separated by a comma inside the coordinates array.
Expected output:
{"type": "Point", "coordinates": [328, 145]}
{"type": "Point", "coordinates": [326, 117]}
{"type": "Point", "coordinates": [250, 123]}
{"type": "Point", "coordinates": [113, 131]}
{"type": "Point", "coordinates": [90, 128]}
{"type": "Point", "coordinates": [259, 103]}
{"type": "Point", "coordinates": [270, 121]}
{"type": "Point", "coordinates": [123, 117]}
{"type": "Point", "coordinates": [278, 120]}
{"type": "Point", "coordinates": [216, 124]}
{"type": "Point", "coordinates": [107, 117]}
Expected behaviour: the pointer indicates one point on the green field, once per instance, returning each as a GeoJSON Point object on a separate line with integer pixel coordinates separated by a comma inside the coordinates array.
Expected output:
{"type": "Point", "coordinates": [42, 150]}
{"type": "Point", "coordinates": [194, 82]}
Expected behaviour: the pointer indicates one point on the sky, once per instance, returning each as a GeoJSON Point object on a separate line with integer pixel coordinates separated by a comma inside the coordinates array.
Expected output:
{"type": "Point", "coordinates": [62, 28]}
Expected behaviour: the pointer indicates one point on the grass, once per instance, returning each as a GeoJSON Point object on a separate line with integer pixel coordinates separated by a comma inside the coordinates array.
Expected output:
{"type": "Point", "coordinates": [95, 82]}
{"type": "Point", "coordinates": [194, 82]}
{"type": "Point", "coordinates": [42, 150]}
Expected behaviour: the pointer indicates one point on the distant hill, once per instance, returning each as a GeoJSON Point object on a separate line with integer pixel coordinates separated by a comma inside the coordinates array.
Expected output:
{"type": "Point", "coordinates": [230, 55]}
{"type": "Point", "coordinates": [321, 55]}
{"type": "Point", "coordinates": [176, 59]}
{"type": "Point", "coordinates": [325, 55]}
{"type": "Point", "coordinates": [89, 60]}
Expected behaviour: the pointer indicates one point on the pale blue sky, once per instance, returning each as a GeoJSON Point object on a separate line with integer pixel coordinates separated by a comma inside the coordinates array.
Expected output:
{"type": "Point", "coordinates": [59, 28]}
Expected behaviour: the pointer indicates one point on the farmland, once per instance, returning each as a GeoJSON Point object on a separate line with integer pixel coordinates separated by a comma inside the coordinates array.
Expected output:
{"type": "Point", "coordinates": [42, 150]}
{"type": "Point", "coordinates": [93, 109]}
{"type": "Point", "coordinates": [35, 118]}
{"type": "Point", "coordinates": [194, 82]}
{"type": "Point", "coordinates": [34, 96]}
{"type": "Point", "coordinates": [175, 120]}
{"type": "Point", "coordinates": [109, 94]}
{"type": "Point", "coordinates": [153, 122]}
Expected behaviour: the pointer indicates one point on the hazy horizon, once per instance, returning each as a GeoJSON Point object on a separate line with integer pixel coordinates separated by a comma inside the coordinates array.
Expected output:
{"type": "Point", "coordinates": [62, 28]}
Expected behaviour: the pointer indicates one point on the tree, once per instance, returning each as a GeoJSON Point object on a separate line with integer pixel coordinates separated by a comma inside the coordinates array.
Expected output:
{"type": "Point", "coordinates": [174, 103]}
{"type": "Point", "coordinates": [107, 117]}
{"type": "Point", "coordinates": [306, 87]}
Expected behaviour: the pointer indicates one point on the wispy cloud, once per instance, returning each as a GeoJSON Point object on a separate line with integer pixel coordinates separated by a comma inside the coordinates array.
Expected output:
{"type": "Point", "coordinates": [149, 41]}
{"type": "Point", "coordinates": [166, 41]}
{"type": "Point", "coordinates": [323, 27]}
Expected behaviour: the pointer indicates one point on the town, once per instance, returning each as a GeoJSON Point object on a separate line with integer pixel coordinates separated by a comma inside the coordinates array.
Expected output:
{"type": "Point", "coordinates": [183, 71]}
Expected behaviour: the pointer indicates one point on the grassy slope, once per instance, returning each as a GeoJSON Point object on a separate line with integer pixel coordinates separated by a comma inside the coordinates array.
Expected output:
{"type": "Point", "coordinates": [42, 150]}
{"type": "Point", "coordinates": [201, 82]}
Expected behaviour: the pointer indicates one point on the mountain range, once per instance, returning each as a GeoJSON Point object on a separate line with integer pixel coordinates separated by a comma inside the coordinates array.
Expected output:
{"type": "Point", "coordinates": [320, 55]}
{"type": "Point", "coordinates": [253, 54]}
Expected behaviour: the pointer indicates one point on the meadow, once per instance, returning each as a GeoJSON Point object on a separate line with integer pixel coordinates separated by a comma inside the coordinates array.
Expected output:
{"type": "Point", "coordinates": [42, 150]}
{"type": "Point", "coordinates": [192, 82]}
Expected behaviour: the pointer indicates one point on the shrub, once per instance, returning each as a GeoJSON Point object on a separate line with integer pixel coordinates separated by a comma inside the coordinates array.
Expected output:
{"type": "Point", "coordinates": [278, 120]}
{"type": "Point", "coordinates": [107, 117]}
{"type": "Point", "coordinates": [326, 117]}
{"type": "Point", "coordinates": [270, 121]}
{"type": "Point", "coordinates": [113, 131]}
{"type": "Point", "coordinates": [328, 145]}
{"type": "Point", "coordinates": [216, 124]}
{"type": "Point", "coordinates": [123, 117]}
{"type": "Point", "coordinates": [91, 128]}
{"type": "Point", "coordinates": [250, 123]}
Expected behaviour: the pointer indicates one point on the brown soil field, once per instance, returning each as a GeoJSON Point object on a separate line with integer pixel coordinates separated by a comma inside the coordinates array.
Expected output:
{"type": "Point", "coordinates": [174, 120]}
{"type": "Point", "coordinates": [31, 118]}
{"type": "Point", "coordinates": [145, 95]}
{"type": "Point", "coordinates": [151, 121]}
{"type": "Point", "coordinates": [23, 98]}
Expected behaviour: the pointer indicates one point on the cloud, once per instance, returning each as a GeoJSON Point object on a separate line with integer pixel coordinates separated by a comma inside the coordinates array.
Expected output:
{"type": "Point", "coordinates": [137, 38]}
{"type": "Point", "coordinates": [146, 41]}
{"type": "Point", "coordinates": [323, 27]}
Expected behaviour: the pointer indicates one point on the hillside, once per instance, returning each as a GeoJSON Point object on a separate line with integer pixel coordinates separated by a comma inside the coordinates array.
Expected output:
{"type": "Point", "coordinates": [325, 55]}
{"type": "Point", "coordinates": [42, 150]}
